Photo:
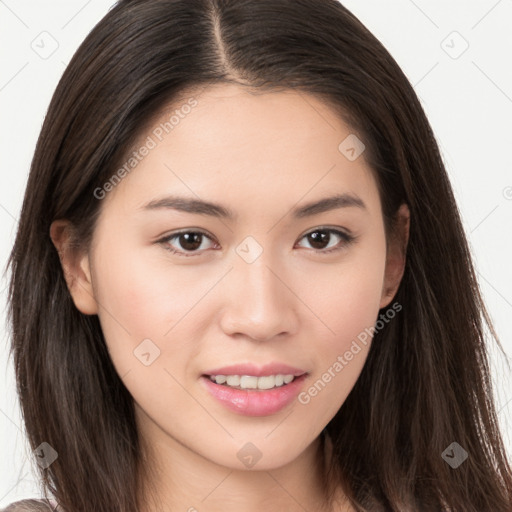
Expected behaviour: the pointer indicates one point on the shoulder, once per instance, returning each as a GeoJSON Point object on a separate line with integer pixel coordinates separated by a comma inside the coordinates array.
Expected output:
{"type": "Point", "coordinates": [32, 505]}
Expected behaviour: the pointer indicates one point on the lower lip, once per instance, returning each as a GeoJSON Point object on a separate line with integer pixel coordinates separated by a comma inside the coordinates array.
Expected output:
{"type": "Point", "coordinates": [252, 402]}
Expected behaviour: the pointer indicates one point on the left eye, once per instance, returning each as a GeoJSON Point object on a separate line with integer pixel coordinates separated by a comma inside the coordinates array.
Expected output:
{"type": "Point", "coordinates": [192, 241]}
{"type": "Point", "coordinates": [322, 235]}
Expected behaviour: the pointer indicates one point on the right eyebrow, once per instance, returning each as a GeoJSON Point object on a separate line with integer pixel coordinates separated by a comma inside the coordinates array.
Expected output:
{"type": "Point", "coordinates": [191, 205]}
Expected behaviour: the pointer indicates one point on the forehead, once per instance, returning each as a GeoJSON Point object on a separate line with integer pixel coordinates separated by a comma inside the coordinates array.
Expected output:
{"type": "Point", "coordinates": [231, 141]}
{"type": "Point", "coordinates": [225, 114]}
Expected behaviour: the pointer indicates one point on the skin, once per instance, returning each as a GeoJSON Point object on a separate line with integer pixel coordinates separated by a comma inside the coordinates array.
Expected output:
{"type": "Point", "coordinates": [260, 155]}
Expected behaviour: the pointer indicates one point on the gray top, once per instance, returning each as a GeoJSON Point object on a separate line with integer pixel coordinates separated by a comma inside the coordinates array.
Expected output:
{"type": "Point", "coordinates": [32, 505]}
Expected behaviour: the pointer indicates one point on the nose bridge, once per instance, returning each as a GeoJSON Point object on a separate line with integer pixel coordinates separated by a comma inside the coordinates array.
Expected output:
{"type": "Point", "coordinates": [260, 305]}
{"type": "Point", "coordinates": [261, 282]}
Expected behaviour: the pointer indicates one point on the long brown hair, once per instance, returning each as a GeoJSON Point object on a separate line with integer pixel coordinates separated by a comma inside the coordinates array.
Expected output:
{"type": "Point", "coordinates": [426, 383]}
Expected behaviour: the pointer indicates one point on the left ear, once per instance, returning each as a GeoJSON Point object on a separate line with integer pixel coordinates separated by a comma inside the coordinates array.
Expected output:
{"type": "Point", "coordinates": [396, 255]}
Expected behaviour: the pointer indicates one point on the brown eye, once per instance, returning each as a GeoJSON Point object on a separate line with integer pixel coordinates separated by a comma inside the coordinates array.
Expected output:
{"type": "Point", "coordinates": [186, 241]}
{"type": "Point", "coordinates": [320, 239]}
{"type": "Point", "coordinates": [190, 241]}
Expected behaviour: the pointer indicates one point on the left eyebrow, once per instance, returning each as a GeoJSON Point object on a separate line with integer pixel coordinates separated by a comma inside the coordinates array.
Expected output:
{"type": "Point", "coordinates": [328, 203]}
{"type": "Point", "coordinates": [201, 207]}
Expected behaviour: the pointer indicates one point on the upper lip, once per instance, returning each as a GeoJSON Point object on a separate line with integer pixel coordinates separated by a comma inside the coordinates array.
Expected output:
{"type": "Point", "coordinates": [257, 371]}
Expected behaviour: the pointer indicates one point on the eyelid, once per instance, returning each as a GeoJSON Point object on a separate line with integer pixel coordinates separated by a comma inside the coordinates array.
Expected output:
{"type": "Point", "coordinates": [335, 229]}
{"type": "Point", "coordinates": [343, 233]}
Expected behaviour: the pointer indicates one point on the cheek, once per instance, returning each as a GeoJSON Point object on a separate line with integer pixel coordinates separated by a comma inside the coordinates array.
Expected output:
{"type": "Point", "coordinates": [349, 307]}
{"type": "Point", "coordinates": [349, 299]}
{"type": "Point", "coordinates": [138, 287]}
{"type": "Point", "coordinates": [135, 300]}
{"type": "Point", "coordinates": [143, 297]}
{"type": "Point", "coordinates": [140, 305]}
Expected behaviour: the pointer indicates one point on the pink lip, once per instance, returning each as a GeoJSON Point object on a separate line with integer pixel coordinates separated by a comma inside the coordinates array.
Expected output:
{"type": "Point", "coordinates": [256, 371]}
{"type": "Point", "coordinates": [253, 402]}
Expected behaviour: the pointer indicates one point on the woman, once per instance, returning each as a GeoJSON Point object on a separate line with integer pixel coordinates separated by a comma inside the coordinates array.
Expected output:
{"type": "Point", "coordinates": [241, 280]}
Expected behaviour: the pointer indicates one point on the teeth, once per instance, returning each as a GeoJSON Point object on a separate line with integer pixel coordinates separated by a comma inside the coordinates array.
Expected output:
{"type": "Point", "coordinates": [252, 382]}
{"type": "Point", "coordinates": [232, 380]}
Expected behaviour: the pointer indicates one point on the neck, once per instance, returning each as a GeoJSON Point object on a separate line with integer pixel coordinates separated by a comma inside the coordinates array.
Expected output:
{"type": "Point", "coordinates": [184, 480]}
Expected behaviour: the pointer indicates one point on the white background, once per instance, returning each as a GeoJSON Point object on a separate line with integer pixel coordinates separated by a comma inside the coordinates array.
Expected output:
{"type": "Point", "coordinates": [468, 100]}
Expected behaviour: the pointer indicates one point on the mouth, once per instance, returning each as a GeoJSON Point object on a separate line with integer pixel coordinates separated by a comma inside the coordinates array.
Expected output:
{"type": "Point", "coordinates": [253, 382]}
{"type": "Point", "coordinates": [254, 395]}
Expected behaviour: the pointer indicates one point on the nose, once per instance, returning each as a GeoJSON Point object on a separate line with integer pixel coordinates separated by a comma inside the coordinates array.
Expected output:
{"type": "Point", "coordinates": [259, 301]}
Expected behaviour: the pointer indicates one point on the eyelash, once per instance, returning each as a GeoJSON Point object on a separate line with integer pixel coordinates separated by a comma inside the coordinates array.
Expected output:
{"type": "Point", "coordinates": [348, 239]}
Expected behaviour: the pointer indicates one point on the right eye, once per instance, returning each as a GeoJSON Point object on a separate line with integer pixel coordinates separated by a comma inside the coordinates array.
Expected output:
{"type": "Point", "coordinates": [190, 241]}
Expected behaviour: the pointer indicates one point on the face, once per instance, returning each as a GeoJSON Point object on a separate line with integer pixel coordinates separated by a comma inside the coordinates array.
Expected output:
{"type": "Point", "coordinates": [258, 281]}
